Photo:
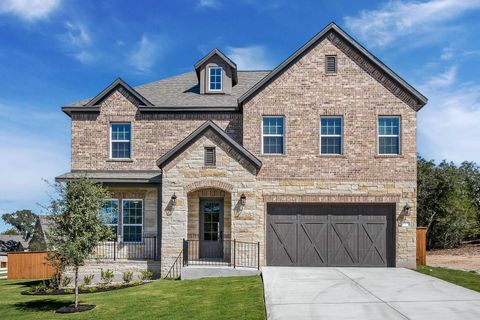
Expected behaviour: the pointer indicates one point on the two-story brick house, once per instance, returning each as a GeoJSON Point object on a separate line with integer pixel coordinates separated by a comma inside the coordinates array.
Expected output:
{"type": "Point", "coordinates": [314, 161]}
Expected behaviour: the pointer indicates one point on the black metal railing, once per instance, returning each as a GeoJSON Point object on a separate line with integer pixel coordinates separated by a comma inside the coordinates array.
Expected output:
{"type": "Point", "coordinates": [221, 253]}
{"type": "Point", "coordinates": [176, 269]}
{"type": "Point", "coordinates": [119, 249]}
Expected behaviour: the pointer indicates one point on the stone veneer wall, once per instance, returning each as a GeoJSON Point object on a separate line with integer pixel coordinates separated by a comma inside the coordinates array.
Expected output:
{"type": "Point", "coordinates": [187, 177]}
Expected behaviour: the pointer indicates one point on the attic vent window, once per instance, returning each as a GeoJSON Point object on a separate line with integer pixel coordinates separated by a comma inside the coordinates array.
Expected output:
{"type": "Point", "coordinates": [215, 78]}
{"type": "Point", "coordinates": [330, 64]}
{"type": "Point", "coordinates": [210, 159]}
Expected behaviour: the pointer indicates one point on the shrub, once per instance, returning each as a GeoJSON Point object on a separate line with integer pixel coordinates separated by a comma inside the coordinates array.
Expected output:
{"type": "Point", "coordinates": [92, 289]}
{"type": "Point", "coordinates": [127, 276]}
{"type": "Point", "coordinates": [146, 275]}
{"type": "Point", "coordinates": [87, 279]}
{"type": "Point", "coordinates": [69, 290]}
{"type": "Point", "coordinates": [136, 283]}
{"type": "Point", "coordinates": [66, 281]}
{"type": "Point", "coordinates": [106, 276]}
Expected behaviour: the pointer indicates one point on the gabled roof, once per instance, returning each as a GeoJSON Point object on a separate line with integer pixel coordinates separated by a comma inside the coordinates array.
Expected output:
{"type": "Point", "coordinates": [422, 100]}
{"type": "Point", "coordinates": [182, 93]}
{"type": "Point", "coordinates": [185, 143]}
{"type": "Point", "coordinates": [112, 87]}
{"type": "Point", "coordinates": [224, 58]}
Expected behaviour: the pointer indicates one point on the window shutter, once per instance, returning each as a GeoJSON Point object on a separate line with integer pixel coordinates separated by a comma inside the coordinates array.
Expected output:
{"type": "Point", "coordinates": [210, 156]}
{"type": "Point", "coordinates": [330, 64]}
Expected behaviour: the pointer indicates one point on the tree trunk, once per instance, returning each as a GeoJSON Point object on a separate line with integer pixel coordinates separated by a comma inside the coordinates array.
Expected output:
{"type": "Point", "coordinates": [76, 287]}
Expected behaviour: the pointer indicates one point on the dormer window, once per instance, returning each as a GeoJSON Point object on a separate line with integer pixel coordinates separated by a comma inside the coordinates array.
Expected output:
{"type": "Point", "coordinates": [215, 78]}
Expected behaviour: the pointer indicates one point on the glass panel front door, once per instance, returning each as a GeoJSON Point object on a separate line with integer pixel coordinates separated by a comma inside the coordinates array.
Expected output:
{"type": "Point", "coordinates": [211, 228]}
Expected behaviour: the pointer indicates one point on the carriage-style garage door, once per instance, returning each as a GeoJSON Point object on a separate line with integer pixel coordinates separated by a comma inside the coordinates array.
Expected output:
{"type": "Point", "coordinates": [330, 234]}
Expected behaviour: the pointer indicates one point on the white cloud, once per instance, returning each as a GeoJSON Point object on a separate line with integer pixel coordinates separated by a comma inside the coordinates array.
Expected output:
{"type": "Point", "coordinates": [397, 19]}
{"type": "Point", "coordinates": [209, 3]}
{"type": "Point", "coordinates": [29, 9]}
{"type": "Point", "coordinates": [144, 54]}
{"type": "Point", "coordinates": [449, 126]}
{"type": "Point", "coordinates": [444, 79]}
{"type": "Point", "coordinates": [78, 34]}
{"type": "Point", "coordinates": [250, 58]}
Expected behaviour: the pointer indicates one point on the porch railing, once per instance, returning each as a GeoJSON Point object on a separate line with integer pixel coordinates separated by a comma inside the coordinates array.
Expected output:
{"type": "Point", "coordinates": [117, 249]}
{"type": "Point", "coordinates": [227, 252]}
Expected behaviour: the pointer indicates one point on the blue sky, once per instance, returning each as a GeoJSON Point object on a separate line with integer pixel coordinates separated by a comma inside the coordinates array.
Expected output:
{"type": "Point", "coordinates": [53, 52]}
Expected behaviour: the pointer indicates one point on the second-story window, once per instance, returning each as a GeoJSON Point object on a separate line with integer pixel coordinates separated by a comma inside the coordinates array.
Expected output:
{"type": "Point", "coordinates": [273, 135]}
{"type": "Point", "coordinates": [215, 78]}
{"type": "Point", "coordinates": [120, 140]}
{"type": "Point", "coordinates": [331, 135]}
{"type": "Point", "coordinates": [388, 135]}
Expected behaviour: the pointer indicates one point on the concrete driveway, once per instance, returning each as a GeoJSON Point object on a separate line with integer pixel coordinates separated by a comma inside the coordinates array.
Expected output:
{"type": "Point", "coordinates": [364, 293]}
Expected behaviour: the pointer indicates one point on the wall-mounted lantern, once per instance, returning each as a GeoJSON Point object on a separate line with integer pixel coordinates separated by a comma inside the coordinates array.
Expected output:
{"type": "Point", "coordinates": [408, 207]}
{"type": "Point", "coordinates": [243, 200]}
{"type": "Point", "coordinates": [173, 200]}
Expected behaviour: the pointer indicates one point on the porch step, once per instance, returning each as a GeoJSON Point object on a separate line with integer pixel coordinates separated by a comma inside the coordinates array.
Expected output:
{"type": "Point", "coordinates": [198, 272]}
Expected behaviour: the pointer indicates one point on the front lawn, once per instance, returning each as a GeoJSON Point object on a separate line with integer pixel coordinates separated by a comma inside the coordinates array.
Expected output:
{"type": "Point", "coordinates": [470, 280]}
{"type": "Point", "coordinates": [218, 298]}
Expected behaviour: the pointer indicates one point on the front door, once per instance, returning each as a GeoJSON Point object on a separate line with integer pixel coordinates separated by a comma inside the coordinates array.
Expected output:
{"type": "Point", "coordinates": [211, 228]}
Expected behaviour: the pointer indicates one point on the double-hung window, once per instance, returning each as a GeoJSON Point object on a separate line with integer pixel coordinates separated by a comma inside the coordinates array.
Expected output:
{"type": "Point", "coordinates": [388, 135]}
{"type": "Point", "coordinates": [331, 135]}
{"type": "Point", "coordinates": [120, 140]}
{"type": "Point", "coordinates": [109, 215]}
{"type": "Point", "coordinates": [132, 213]}
{"type": "Point", "coordinates": [273, 135]}
{"type": "Point", "coordinates": [215, 77]}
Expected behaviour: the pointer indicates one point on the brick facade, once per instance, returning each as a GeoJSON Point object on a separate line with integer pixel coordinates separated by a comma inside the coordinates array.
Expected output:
{"type": "Point", "coordinates": [302, 94]}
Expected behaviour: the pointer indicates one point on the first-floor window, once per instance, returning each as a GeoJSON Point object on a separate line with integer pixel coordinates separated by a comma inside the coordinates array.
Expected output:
{"type": "Point", "coordinates": [388, 135]}
{"type": "Point", "coordinates": [109, 215]}
{"type": "Point", "coordinates": [132, 212]}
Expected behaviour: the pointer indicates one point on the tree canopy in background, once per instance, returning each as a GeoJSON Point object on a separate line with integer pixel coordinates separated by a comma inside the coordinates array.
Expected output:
{"type": "Point", "coordinates": [448, 202]}
{"type": "Point", "coordinates": [23, 221]}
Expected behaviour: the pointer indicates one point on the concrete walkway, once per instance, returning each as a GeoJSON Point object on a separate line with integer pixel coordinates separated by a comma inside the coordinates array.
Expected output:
{"type": "Point", "coordinates": [364, 293]}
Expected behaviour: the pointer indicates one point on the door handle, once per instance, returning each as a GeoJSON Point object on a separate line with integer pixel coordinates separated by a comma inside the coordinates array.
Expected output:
{"type": "Point", "coordinates": [221, 235]}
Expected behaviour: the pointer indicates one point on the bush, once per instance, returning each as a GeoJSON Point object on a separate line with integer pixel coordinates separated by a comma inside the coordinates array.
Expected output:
{"type": "Point", "coordinates": [87, 279]}
{"type": "Point", "coordinates": [146, 275]}
{"type": "Point", "coordinates": [66, 281]}
{"type": "Point", "coordinates": [106, 276]}
{"type": "Point", "coordinates": [136, 283]}
{"type": "Point", "coordinates": [53, 282]}
{"type": "Point", "coordinates": [92, 289]}
{"type": "Point", "coordinates": [127, 276]}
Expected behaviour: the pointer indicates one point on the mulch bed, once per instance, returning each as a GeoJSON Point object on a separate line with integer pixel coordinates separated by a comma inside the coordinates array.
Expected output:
{"type": "Point", "coordinates": [83, 290]}
{"type": "Point", "coordinates": [71, 308]}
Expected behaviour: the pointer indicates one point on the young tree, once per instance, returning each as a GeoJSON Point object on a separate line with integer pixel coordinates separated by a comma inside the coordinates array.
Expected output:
{"type": "Point", "coordinates": [76, 225]}
{"type": "Point", "coordinates": [23, 221]}
{"type": "Point", "coordinates": [11, 232]}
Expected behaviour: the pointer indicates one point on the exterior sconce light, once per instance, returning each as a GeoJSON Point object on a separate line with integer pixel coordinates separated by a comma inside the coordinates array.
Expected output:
{"type": "Point", "coordinates": [407, 208]}
{"type": "Point", "coordinates": [173, 200]}
{"type": "Point", "coordinates": [243, 200]}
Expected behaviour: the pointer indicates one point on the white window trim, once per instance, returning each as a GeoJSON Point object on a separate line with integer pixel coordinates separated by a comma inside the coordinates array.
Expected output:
{"type": "Point", "coordinates": [332, 135]}
{"type": "Point", "coordinates": [132, 224]}
{"type": "Point", "coordinates": [112, 141]}
{"type": "Point", "coordinates": [273, 135]}
{"type": "Point", "coordinates": [209, 78]}
{"type": "Point", "coordinates": [118, 214]}
{"type": "Point", "coordinates": [399, 136]}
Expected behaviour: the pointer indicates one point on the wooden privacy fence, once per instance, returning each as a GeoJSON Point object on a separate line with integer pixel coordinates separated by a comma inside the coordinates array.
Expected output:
{"type": "Point", "coordinates": [29, 265]}
{"type": "Point", "coordinates": [421, 246]}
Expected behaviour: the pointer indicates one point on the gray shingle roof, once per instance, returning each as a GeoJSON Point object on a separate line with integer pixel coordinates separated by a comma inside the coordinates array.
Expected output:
{"type": "Point", "coordinates": [183, 91]}
{"type": "Point", "coordinates": [113, 176]}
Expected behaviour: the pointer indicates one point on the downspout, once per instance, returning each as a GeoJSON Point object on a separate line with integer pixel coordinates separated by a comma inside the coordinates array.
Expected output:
{"type": "Point", "coordinates": [159, 223]}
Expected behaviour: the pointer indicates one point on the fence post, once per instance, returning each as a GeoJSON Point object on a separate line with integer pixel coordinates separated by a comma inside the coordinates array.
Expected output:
{"type": "Point", "coordinates": [115, 249]}
{"type": "Point", "coordinates": [155, 248]}
{"type": "Point", "coordinates": [185, 252]}
{"type": "Point", "coordinates": [234, 253]}
{"type": "Point", "coordinates": [258, 255]}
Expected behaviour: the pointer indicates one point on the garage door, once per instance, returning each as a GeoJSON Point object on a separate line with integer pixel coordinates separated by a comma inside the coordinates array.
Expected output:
{"type": "Point", "coordinates": [330, 234]}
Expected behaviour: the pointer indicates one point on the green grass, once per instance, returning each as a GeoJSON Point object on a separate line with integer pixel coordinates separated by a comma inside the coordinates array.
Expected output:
{"type": "Point", "coordinates": [216, 298]}
{"type": "Point", "coordinates": [470, 280]}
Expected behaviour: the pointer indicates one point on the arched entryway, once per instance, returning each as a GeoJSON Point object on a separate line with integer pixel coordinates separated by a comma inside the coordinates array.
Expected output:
{"type": "Point", "coordinates": [209, 224]}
